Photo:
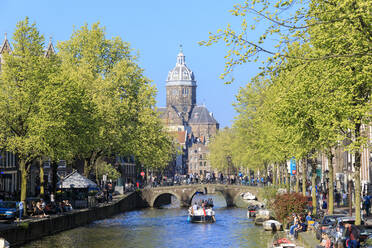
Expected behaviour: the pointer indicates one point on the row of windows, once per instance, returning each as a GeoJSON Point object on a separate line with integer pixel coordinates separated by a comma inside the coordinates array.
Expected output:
{"type": "Point", "coordinates": [201, 156]}
{"type": "Point", "coordinates": [185, 92]}
{"type": "Point", "coordinates": [194, 166]}
{"type": "Point", "coordinates": [7, 160]}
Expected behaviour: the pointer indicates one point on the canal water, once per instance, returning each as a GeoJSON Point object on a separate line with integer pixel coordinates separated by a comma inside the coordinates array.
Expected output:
{"type": "Point", "coordinates": [164, 227]}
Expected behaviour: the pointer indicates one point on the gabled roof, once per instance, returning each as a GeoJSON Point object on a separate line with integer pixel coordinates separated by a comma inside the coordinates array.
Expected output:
{"type": "Point", "coordinates": [50, 49]}
{"type": "Point", "coordinates": [201, 115]}
{"type": "Point", "coordinates": [76, 181]}
{"type": "Point", "coordinates": [5, 47]}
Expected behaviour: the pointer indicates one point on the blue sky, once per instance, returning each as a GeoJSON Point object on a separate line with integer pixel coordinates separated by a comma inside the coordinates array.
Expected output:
{"type": "Point", "coordinates": [153, 28]}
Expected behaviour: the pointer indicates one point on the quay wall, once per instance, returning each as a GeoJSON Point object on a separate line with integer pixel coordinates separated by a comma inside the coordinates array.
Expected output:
{"type": "Point", "coordinates": [36, 229]}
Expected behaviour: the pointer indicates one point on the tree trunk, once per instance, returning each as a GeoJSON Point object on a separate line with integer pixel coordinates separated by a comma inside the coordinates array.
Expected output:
{"type": "Point", "coordinates": [297, 188]}
{"type": "Point", "coordinates": [357, 188]}
{"type": "Point", "coordinates": [330, 184]}
{"type": "Point", "coordinates": [279, 176]}
{"type": "Point", "coordinates": [313, 179]}
{"type": "Point", "coordinates": [41, 177]}
{"type": "Point", "coordinates": [288, 181]}
{"type": "Point", "coordinates": [274, 174]}
{"type": "Point", "coordinates": [22, 165]}
{"type": "Point", "coordinates": [86, 168]}
{"type": "Point", "coordinates": [304, 172]}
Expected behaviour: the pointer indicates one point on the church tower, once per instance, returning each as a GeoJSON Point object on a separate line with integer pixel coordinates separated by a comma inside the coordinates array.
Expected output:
{"type": "Point", "coordinates": [181, 88]}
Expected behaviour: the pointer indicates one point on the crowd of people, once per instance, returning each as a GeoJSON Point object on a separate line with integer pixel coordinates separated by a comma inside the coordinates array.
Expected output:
{"type": "Point", "coordinates": [195, 178]}
{"type": "Point", "coordinates": [41, 209]}
{"type": "Point", "coordinates": [300, 223]}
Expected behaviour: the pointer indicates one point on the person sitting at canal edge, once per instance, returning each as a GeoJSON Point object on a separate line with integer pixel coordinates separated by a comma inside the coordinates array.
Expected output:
{"type": "Point", "coordinates": [326, 241]}
{"type": "Point", "coordinates": [295, 224]}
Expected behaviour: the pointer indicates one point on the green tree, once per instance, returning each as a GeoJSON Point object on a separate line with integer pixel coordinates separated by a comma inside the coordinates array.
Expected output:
{"type": "Point", "coordinates": [220, 149]}
{"type": "Point", "coordinates": [24, 76]}
{"type": "Point", "coordinates": [123, 99]}
{"type": "Point", "coordinates": [332, 41]}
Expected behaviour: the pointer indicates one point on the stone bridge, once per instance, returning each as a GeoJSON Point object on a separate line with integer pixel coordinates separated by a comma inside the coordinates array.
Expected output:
{"type": "Point", "coordinates": [185, 193]}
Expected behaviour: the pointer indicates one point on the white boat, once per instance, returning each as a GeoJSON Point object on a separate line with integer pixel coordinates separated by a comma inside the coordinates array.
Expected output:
{"type": "Point", "coordinates": [201, 215]}
{"type": "Point", "coordinates": [261, 216]}
{"type": "Point", "coordinates": [272, 225]}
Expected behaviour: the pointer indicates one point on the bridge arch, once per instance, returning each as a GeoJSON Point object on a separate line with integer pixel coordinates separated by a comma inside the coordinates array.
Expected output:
{"type": "Point", "coordinates": [163, 198]}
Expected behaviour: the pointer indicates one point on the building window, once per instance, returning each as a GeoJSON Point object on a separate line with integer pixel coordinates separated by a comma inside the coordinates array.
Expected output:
{"type": "Point", "coordinates": [205, 163]}
{"type": "Point", "coordinates": [201, 164]}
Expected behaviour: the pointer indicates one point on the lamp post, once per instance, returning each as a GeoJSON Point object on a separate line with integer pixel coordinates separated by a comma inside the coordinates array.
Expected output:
{"type": "Point", "coordinates": [326, 180]}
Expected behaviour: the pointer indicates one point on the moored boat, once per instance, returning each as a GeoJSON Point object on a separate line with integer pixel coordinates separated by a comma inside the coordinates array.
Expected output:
{"type": "Point", "coordinates": [282, 242]}
{"type": "Point", "coordinates": [261, 216]}
{"type": "Point", "coordinates": [252, 211]}
{"type": "Point", "coordinates": [272, 225]}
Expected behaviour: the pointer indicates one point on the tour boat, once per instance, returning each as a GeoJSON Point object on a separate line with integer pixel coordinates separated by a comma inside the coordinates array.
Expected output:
{"type": "Point", "coordinates": [201, 215]}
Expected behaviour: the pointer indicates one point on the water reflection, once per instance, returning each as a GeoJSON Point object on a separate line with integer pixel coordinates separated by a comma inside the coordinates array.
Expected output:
{"type": "Point", "coordinates": [164, 228]}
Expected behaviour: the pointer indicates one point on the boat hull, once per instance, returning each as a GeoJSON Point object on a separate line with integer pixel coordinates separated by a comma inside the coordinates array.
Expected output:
{"type": "Point", "coordinates": [202, 219]}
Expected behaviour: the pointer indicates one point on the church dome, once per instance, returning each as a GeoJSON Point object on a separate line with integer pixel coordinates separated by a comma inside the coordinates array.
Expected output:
{"type": "Point", "coordinates": [181, 74]}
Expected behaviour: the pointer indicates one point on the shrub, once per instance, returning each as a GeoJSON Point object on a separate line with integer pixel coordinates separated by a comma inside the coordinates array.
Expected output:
{"type": "Point", "coordinates": [286, 204]}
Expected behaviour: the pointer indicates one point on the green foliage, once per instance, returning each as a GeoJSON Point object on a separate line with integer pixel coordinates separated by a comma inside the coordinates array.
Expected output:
{"type": "Point", "coordinates": [269, 195]}
{"type": "Point", "coordinates": [107, 169]}
{"type": "Point", "coordinates": [220, 149]}
{"type": "Point", "coordinates": [286, 204]}
{"type": "Point", "coordinates": [314, 90]}
{"type": "Point", "coordinates": [124, 120]}
{"type": "Point", "coordinates": [89, 100]}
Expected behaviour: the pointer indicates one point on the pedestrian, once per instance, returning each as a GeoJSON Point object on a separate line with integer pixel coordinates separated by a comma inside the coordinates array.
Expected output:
{"type": "Point", "coordinates": [20, 207]}
{"type": "Point", "coordinates": [52, 198]}
{"type": "Point", "coordinates": [367, 204]}
{"type": "Point", "coordinates": [352, 234]}
{"type": "Point", "coordinates": [344, 198]}
{"type": "Point", "coordinates": [338, 199]}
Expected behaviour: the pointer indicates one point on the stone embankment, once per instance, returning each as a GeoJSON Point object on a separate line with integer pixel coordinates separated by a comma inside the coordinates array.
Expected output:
{"type": "Point", "coordinates": [29, 230]}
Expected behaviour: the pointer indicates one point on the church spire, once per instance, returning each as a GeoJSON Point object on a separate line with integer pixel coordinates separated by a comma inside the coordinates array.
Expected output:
{"type": "Point", "coordinates": [5, 47]}
{"type": "Point", "coordinates": [50, 49]}
{"type": "Point", "coordinates": [181, 57]}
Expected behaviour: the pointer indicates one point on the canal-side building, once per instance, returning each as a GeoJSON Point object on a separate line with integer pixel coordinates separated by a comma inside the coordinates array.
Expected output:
{"type": "Point", "coordinates": [191, 124]}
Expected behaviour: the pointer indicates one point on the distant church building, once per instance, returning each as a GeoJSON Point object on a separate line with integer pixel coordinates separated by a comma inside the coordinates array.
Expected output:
{"type": "Point", "coordinates": [192, 125]}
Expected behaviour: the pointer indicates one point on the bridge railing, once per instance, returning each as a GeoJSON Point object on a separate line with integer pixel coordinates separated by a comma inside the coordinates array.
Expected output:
{"type": "Point", "coordinates": [167, 183]}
